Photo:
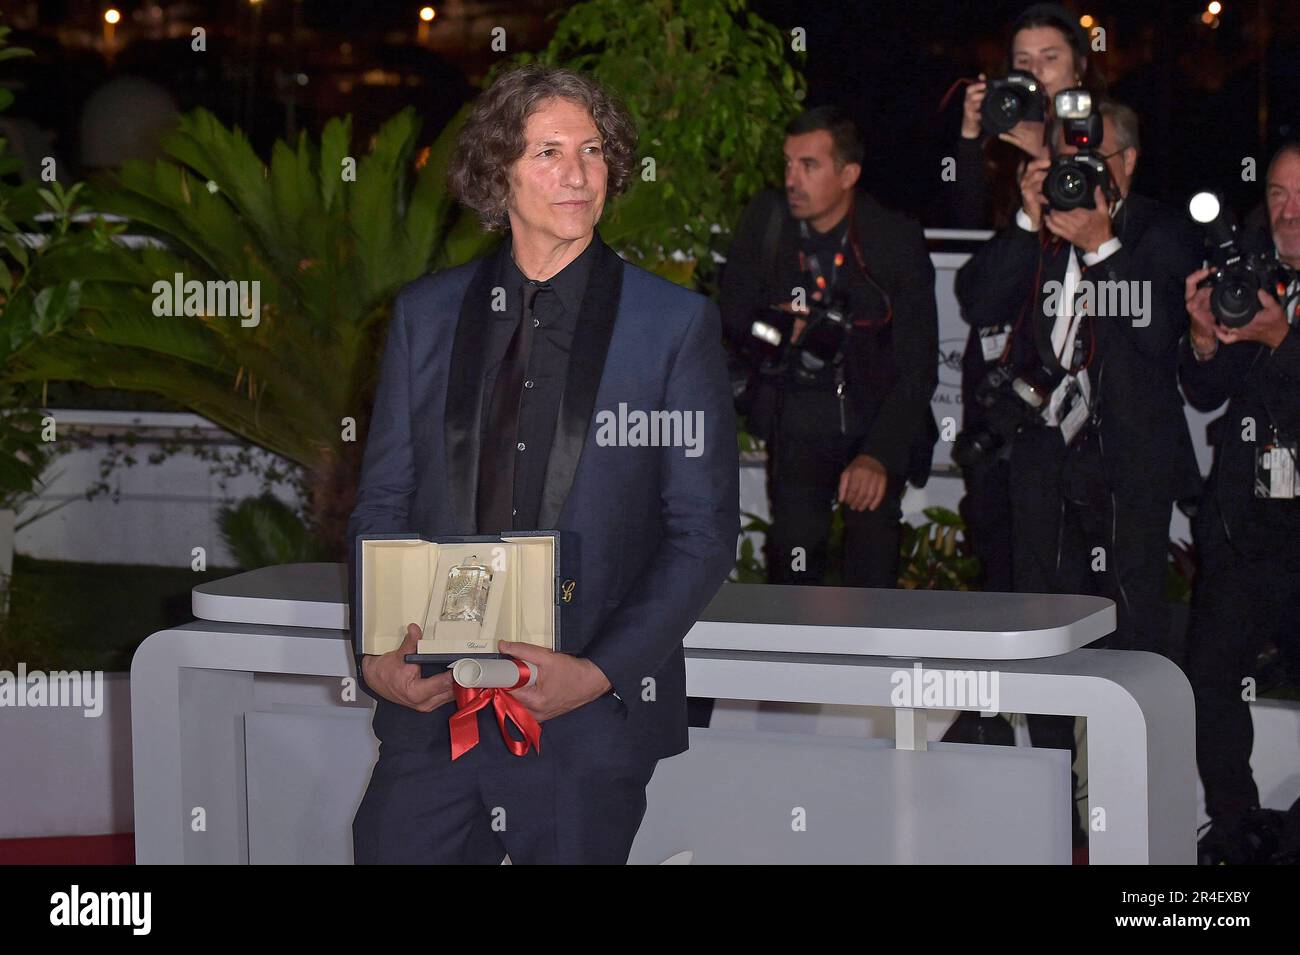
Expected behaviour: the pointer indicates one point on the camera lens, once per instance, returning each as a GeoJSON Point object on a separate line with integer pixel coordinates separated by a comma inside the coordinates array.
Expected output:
{"type": "Point", "coordinates": [1066, 187]}
{"type": "Point", "coordinates": [1002, 109]}
{"type": "Point", "coordinates": [1234, 301]}
{"type": "Point", "coordinates": [1070, 184]}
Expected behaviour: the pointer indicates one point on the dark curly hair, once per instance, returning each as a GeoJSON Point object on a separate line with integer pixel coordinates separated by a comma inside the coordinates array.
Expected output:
{"type": "Point", "coordinates": [493, 136]}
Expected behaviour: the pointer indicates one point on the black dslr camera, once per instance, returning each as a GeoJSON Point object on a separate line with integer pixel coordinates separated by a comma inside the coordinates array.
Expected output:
{"type": "Point", "coordinates": [1072, 180]}
{"type": "Point", "coordinates": [820, 345]}
{"type": "Point", "coordinates": [1019, 97]}
{"type": "Point", "coordinates": [1238, 275]}
{"type": "Point", "coordinates": [1011, 402]}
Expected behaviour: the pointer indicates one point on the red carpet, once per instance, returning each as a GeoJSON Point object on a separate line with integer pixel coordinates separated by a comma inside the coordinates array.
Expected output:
{"type": "Point", "coordinates": [70, 850]}
{"type": "Point", "coordinates": [120, 850]}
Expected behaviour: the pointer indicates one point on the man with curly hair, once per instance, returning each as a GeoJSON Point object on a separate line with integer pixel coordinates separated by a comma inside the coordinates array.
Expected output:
{"type": "Point", "coordinates": [494, 381]}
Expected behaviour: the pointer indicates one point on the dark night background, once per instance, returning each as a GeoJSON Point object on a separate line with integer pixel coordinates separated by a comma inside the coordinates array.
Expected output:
{"type": "Point", "coordinates": [1207, 96]}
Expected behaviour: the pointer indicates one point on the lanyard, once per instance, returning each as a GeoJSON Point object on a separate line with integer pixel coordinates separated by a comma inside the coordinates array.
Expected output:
{"type": "Point", "coordinates": [811, 263]}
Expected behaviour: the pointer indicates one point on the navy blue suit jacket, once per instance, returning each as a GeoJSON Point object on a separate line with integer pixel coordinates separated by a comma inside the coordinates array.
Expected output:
{"type": "Point", "coordinates": [648, 534]}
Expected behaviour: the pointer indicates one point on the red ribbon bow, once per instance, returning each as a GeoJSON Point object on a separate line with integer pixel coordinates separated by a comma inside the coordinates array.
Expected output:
{"type": "Point", "coordinates": [469, 700]}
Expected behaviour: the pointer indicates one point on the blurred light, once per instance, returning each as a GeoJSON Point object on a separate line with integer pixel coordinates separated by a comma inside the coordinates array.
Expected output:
{"type": "Point", "coordinates": [1086, 22]}
{"type": "Point", "coordinates": [1204, 207]}
{"type": "Point", "coordinates": [1207, 17]}
{"type": "Point", "coordinates": [254, 3]}
{"type": "Point", "coordinates": [111, 15]}
{"type": "Point", "coordinates": [427, 13]}
{"type": "Point", "coordinates": [379, 77]}
{"type": "Point", "coordinates": [1216, 8]}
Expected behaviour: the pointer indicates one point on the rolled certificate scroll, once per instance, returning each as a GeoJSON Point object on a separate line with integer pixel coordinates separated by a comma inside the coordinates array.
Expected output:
{"type": "Point", "coordinates": [481, 674]}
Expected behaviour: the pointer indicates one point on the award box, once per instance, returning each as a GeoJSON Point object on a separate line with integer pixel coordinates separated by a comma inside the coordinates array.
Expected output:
{"type": "Point", "coordinates": [442, 585]}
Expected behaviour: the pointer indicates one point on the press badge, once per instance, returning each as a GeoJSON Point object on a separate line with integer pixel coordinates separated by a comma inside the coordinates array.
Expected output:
{"type": "Point", "coordinates": [1275, 471]}
{"type": "Point", "coordinates": [993, 340]}
{"type": "Point", "coordinates": [1075, 411]}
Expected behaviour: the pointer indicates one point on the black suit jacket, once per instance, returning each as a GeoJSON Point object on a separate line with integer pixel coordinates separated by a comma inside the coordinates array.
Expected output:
{"type": "Point", "coordinates": [1146, 448]}
{"type": "Point", "coordinates": [891, 374]}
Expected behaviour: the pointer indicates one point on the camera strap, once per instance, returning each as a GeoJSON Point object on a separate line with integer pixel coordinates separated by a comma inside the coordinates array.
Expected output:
{"type": "Point", "coordinates": [810, 264]}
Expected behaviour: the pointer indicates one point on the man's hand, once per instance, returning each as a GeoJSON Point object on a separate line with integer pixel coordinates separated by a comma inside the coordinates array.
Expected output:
{"type": "Point", "coordinates": [1268, 326]}
{"type": "Point", "coordinates": [863, 483]}
{"type": "Point", "coordinates": [1032, 199]}
{"type": "Point", "coordinates": [564, 682]}
{"type": "Point", "coordinates": [1205, 341]}
{"type": "Point", "coordinates": [971, 122]}
{"type": "Point", "coordinates": [1027, 136]}
{"type": "Point", "coordinates": [397, 681]}
{"type": "Point", "coordinates": [799, 323]}
{"type": "Point", "coordinates": [1086, 229]}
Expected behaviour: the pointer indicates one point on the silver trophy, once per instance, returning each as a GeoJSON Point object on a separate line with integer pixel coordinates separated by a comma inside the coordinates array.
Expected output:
{"type": "Point", "coordinates": [467, 591]}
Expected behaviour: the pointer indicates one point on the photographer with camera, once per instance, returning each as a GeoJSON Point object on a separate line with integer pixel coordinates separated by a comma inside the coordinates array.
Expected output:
{"type": "Point", "coordinates": [1083, 398]}
{"type": "Point", "coordinates": [1003, 126]}
{"type": "Point", "coordinates": [1243, 347]}
{"type": "Point", "coordinates": [1003, 121]}
{"type": "Point", "coordinates": [831, 297]}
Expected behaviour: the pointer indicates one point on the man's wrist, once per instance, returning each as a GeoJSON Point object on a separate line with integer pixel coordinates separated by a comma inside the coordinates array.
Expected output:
{"type": "Point", "coordinates": [1202, 354]}
{"type": "Point", "coordinates": [600, 674]}
{"type": "Point", "coordinates": [1107, 247]}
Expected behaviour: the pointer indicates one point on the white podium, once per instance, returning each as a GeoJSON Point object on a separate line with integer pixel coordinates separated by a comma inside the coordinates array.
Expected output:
{"type": "Point", "coordinates": [249, 748]}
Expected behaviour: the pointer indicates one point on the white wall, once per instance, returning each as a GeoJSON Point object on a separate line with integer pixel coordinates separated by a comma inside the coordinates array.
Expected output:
{"type": "Point", "coordinates": [154, 513]}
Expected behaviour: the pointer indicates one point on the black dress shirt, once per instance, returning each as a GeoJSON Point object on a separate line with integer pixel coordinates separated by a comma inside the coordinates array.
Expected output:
{"type": "Point", "coordinates": [555, 317]}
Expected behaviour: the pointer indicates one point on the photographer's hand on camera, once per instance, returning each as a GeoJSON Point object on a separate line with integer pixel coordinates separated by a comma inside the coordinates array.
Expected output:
{"type": "Point", "coordinates": [799, 323]}
{"type": "Point", "coordinates": [1031, 191]}
{"type": "Point", "coordinates": [1269, 326]}
{"type": "Point", "coordinates": [1204, 340]}
{"type": "Point", "coordinates": [1027, 136]}
{"type": "Point", "coordinates": [971, 126]}
{"type": "Point", "coordinates": [1086, 229]}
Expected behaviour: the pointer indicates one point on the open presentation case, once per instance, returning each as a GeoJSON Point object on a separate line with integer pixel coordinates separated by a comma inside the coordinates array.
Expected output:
{"type": "Point", "coordinates": [466, 593]}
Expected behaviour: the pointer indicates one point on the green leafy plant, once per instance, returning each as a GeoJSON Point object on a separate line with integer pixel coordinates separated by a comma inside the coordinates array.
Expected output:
{"type": "Point", "coordinates": [750, 568]}
{"type": "Point", "coordinates": [936, 555]}
{"type": "Point", "coordinates": [328, 248]}
{"type": "Point", "coordinates": [262, 531]}
{"type": "Point", "coordinates": [35, 226]}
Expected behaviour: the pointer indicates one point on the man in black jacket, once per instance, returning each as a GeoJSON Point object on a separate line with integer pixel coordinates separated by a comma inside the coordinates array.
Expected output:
{"type": "Point", "coordinates": [1247, 539]}
{"type": "Point", "coordinates": [1100, 459]}
{"type": "Point", "coordinates": [851, 431]}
